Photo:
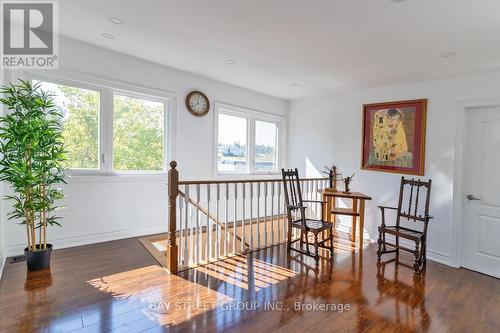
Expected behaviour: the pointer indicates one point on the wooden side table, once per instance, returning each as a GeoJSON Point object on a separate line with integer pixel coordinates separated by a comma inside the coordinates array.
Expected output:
{"type": "Point", "coordinates": [357, 210]}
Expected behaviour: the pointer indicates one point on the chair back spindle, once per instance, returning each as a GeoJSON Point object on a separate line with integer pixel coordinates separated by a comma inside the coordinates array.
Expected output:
{"type": "Point", "coordinates": [293, 193]}
{"type": "Point", "coordinates": [416, 189]}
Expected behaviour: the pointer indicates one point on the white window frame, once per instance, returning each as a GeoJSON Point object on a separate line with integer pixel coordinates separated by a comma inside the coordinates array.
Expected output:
{"type": "Point", "coordinates": [107, 89]}
{"type": "Point", "coordinates": [251, 117]}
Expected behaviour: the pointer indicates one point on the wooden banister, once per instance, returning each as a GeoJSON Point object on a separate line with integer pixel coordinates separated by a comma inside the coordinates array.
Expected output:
{"type": "Point", "coordinates": [239, 181]}
{"type": "Point", "coordinates": [173, 191]}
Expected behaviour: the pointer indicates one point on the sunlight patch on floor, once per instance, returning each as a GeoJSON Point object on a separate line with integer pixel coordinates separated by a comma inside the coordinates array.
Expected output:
{"type": "Point", "coordinates": [160, 246]}
{"type": "Point", "coordinates": [247, 273]}
{"type": "Point", "coordinates": [167, 299]}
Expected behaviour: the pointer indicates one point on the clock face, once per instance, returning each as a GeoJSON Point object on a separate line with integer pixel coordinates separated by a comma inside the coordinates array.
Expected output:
{"type": "Point", "coordinates": [197, 103]}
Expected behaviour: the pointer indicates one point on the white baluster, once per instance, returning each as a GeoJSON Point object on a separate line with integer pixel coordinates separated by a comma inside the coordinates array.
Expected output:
{"type": "Point", "coordinates": [235, 215]}
{"type": "Point", "coordinates": [186, 226]}
{"type": "Point", "coordinates": [316, 187]}
{"type": "Point", "coordinates": [304, 189]}
{"type": "Point", "coordinates": [217, 224]}
{"type": "Point", "coordinates": [180, 253]}
{"type": "Point", "coordinates": [272, 212]}
{"type": "Point", "coordinates": [198, 222]}
{"type": "Point", "coordinates": [310, 194]}
{"type": "Point", "coordinates": [265, 215]}
{"type": "Point", "coordinates": [280, 218]}
{"type": "Point", "coordinates": [208, 229]}
{"type": "Point", "coordinates": [243, 230]}
{"type": "Point", "coordinates": [251, 216]}
{"type": "Point", "coordinates": [226, 217]}
{"type": "Point", "coordinates": [258, 215]}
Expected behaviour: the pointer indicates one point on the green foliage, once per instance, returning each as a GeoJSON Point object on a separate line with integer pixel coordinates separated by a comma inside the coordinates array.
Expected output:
{"type": "Point", "coordinates": [138, 142]}
{"type": "Point", "coordinates": [138, 129]}
{"type": "Point", "coordinates": [80, 126]}
{"type": "Point", "coordinates": [33, 154]}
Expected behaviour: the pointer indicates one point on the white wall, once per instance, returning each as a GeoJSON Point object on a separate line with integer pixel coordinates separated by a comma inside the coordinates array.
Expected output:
{"type": "Point", "coordinates": [328, 130]}
{"type": "Point", "coordinates": [108, 209]}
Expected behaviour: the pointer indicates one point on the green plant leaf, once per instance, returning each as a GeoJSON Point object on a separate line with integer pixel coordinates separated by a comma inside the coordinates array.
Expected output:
{"type": "Point", "coordinates": [33, 153]}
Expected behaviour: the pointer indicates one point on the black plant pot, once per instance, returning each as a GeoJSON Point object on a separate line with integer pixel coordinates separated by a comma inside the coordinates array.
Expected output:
{"type": "Point", "coordinates": [38, 260]}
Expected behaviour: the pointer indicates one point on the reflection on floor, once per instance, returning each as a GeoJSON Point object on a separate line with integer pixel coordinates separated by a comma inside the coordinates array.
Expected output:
{"type": "Point", "coordinates": [117, 286]}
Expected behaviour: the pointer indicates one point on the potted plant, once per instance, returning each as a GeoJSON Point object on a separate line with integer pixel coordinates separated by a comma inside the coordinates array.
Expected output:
{"type": "Point", "coordinates": [33, 154]}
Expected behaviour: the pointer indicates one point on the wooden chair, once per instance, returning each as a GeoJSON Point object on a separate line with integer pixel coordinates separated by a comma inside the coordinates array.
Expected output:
{"type": "Point", "coordinates": [414, 189]}
{"type": "Point", "coordinates": [296, 212]}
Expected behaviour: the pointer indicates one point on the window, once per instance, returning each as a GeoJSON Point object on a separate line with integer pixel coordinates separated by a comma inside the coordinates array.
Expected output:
{"type": "Point", "coordinates": [232, 144]}
{"type": "Point", "coordinates": [138, 134]}
{"type": "Point", "coordinates": [80, 124]}
{"type": "Point", "coordinates": [110, 131]}
{"type": "Point", "coordinates": [247, 141]}
{"type": "Point", "coordinates": [266, 144]}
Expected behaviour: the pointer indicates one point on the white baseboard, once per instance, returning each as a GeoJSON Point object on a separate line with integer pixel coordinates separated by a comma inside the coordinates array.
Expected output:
{"type": "Point", "coordinates": [431, 254]}
{"type": "Point", "coordinates": [61, 243]}
{"type": "Point", "coordinates": [439, 257]}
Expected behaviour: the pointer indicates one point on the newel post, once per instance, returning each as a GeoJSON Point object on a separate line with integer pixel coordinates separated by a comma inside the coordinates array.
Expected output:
{"type": "Point", "coordinates": [173, 191]}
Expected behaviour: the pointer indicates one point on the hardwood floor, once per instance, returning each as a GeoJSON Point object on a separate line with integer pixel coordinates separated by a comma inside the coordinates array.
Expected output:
{"type": "Point", "coordinates": [119, 287]}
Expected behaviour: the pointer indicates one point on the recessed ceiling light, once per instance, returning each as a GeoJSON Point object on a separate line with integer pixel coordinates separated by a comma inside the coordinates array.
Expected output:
{"type": "Point", "coordinates": [107, 36]}
{"type": "Point", "coordinates": [449, 54]}
{"type": "Point", "coordinates": [115, 20]}
{"type": "Point", "coordinates": [231, 61]}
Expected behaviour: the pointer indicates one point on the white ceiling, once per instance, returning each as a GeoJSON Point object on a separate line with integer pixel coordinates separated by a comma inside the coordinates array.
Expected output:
{"type": "Point", "coordinates": [298, 48]}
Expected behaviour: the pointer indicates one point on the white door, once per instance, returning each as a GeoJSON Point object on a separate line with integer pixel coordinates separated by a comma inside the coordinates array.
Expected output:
{"type": "Point", "coordinates": [481, 231]}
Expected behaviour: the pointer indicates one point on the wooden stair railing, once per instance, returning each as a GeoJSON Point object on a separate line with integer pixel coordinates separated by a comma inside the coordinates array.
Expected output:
{"type": "Point", "coordinates": [214, 219]}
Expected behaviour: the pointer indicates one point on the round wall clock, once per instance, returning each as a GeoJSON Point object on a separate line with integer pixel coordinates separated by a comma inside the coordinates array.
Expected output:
{"type": "Point", "coordinates": [197, 103]}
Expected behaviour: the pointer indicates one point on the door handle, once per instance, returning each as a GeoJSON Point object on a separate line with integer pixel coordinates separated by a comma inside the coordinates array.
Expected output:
{"type": "Point", "coordinates": [471, 197]}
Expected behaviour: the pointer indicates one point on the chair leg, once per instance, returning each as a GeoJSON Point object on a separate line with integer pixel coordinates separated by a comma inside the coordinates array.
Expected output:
{"type": "Point", "coordinates": [418, 260]}
{"type": "Point", "coordinates": [379, 241]}
{"type": "Point", "coordinates": [397, 249]}
{"type": "Point", "coordinates": [331, 243]}
{"type": "Point", "coordinates": [289, 238]}
{"type": "Point", "coordinates": [316, 248]}
{"type": "Point", "coordinates": [306, 233]}
{"type": "Point", "coordinates": [424, 252]}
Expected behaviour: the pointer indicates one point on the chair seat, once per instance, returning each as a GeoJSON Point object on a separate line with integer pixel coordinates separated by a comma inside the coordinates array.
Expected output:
{"type": "Point", "coordinates": [402, 232]}
{"type": "Point", "coordinates": [313, 225]}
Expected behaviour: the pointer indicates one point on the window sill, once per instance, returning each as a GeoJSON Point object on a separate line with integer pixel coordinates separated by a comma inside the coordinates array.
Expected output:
{"type": "Point", "coordinates": [256, 175]}
{"type": "Point", "coordinates": [117, 178]}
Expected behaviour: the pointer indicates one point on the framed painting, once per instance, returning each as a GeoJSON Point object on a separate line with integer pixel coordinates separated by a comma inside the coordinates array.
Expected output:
{"type": "Point", "coordinates": [394, 137]}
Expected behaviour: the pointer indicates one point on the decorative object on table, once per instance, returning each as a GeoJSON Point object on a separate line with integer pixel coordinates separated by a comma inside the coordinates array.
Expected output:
{"type": "Point", "coordinates": [297, 219]}
{"type": "Point", "coordinates": [197, 103]}
{"type": "Point", "coordinates": [333, 176]}
{"type": "Point", "coordinates": [32, 160]}
{"type": "Point", "coordinates": [394, 137]}
{"type": "Point", "coordinates": [347, 182]}
{"type": "Point", "coordinates": [419, 193]}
